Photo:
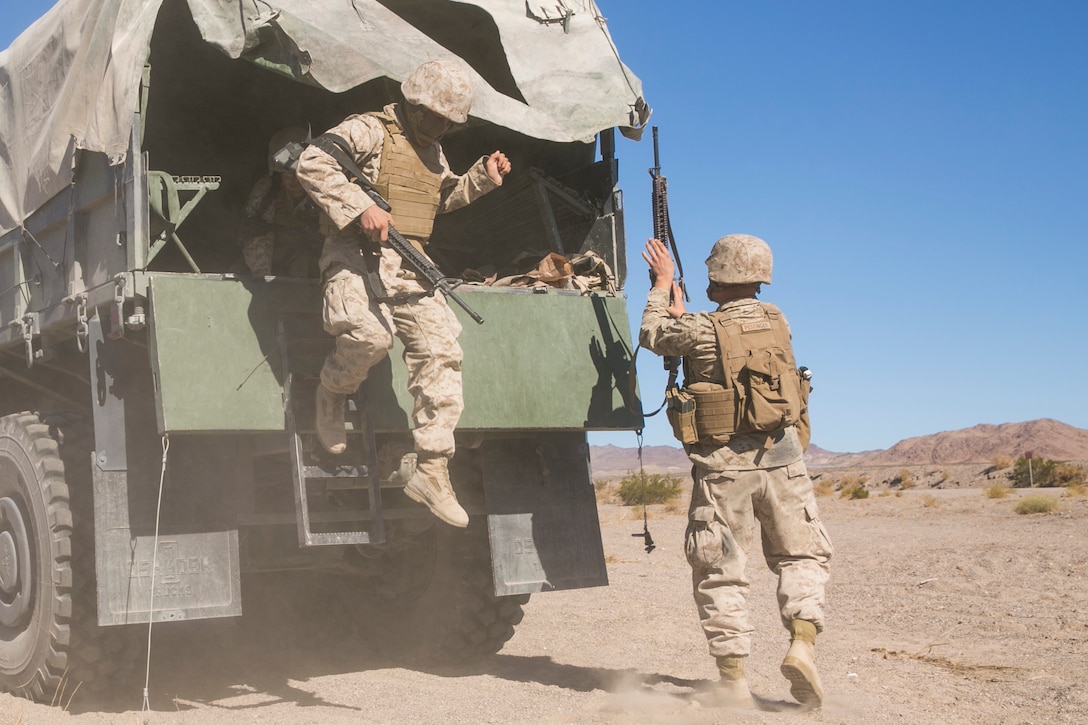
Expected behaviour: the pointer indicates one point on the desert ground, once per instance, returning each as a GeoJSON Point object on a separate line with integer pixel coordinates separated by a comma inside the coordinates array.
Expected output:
{"type": "Point", "coordinates": [945, 606]}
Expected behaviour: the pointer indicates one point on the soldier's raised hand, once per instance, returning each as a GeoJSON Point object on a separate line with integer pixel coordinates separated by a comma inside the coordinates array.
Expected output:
{"type": "Point", "coordinates": [661, 265]}
{"type": "Point", "coordinates": [497, 166]}
{"type": "Point", "coordinates": [662, 269]}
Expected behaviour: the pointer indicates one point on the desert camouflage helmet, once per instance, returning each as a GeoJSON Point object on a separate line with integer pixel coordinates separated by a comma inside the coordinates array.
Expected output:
{"type": "Point", "coordinates": [739, 259]}
{"type": "Point", "coordinates": [441, 86]}
{"type": "Point", "coordinates": [281, 138]}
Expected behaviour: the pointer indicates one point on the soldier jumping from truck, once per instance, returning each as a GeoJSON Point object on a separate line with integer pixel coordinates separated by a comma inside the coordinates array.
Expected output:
{"type": "Point", "coordinates": [400, 150]}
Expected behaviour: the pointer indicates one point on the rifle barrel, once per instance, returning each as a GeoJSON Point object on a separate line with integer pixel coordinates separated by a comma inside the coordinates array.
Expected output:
{"type": "Point", "coordinates": [657, 161]}
{"type": "Point", "coordinates": [422, 266]}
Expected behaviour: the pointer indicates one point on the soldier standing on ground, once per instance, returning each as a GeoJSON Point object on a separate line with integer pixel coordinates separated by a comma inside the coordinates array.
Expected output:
{"type": "Point", "coordinates": [746, 449]}
{"type": "Point", "coordinates": [279, 230]}
{"type": "Point", "coordinates": [399, 152]}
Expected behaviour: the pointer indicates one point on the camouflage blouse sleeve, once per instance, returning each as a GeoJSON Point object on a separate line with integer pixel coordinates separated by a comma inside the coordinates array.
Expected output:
{"type": "Point", "coordinates": [326, 183]}
{"type": "Point", "coordinates": [255, 232]}
{"type": "Point", "coordinates": [460, 190]}
{"type": "Point", "coordinates": [664, 334]}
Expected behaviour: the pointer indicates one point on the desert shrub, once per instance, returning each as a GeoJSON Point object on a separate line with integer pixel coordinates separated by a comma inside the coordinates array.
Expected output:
{"type": "Point", "coordinates": [1001, 462]}
{"type": "Point", "coordinates": [1035, 505]}
{"type": "Point", "coordinates": [1076, 489]}
{"type": "Point", "coordinates": [1067, 474]}
{"type": "Point", "coordinates": [904, 479]}
{"type": "Point", "coordinates": [930, 502]}
{"type": "Point", "coordinates": [824, 488]}
{"type": "Point", "coordinates": [998, 490]}
{"type": "Point", "coordinates": [1024, 473]}
{"type": "Point", "coordinates": [1046, 472]}
{"type": "Point", "coordinates": [654, 488]}
{"type": "Point", "coordinates": [863, 479]}
{"type": "Point", "coordinates": [854, 492]}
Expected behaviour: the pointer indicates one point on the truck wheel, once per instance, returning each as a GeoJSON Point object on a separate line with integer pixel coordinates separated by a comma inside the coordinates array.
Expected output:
{"type": "Point", "coordinates": [442, 597]}
{"type": "Point", "coordinates": [98, 657]}
{"type": "Point", "coordinates": [50, 640]}
{"type": "Point", "coordinates": [35, 559]}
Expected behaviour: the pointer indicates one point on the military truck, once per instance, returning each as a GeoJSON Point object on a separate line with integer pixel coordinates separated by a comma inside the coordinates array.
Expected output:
{"type": "Point", "coordinates": [157, 459]}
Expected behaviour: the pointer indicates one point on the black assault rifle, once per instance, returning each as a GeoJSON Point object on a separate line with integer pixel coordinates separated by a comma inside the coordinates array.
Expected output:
{"type": "Point", "coordinates": [660, 209]}
{"type": "Point", "coordinates": [663, 233]}
{"type": "Point", "coordinates": [286, 159]}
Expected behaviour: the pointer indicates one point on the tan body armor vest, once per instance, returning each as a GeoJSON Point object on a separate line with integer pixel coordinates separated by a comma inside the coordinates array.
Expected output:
{"type": "Point", "coordinates": [410, 186]}
{"type": "Point", "coordinates": [763, 392]}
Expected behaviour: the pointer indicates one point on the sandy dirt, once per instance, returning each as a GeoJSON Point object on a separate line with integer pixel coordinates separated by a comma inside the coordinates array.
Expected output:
{"type": "Point", "coordinates": [944, 607]}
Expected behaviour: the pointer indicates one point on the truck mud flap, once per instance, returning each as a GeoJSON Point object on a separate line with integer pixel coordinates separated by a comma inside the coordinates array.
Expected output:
{"type": "Point", "coordinates": [193, 572]}
{"type": "Point", "coordinates": [542, 514]}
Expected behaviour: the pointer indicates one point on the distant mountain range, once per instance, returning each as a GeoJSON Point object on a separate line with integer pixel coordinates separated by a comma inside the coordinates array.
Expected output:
{"type": "Point", "coordinates": [1044, 438]}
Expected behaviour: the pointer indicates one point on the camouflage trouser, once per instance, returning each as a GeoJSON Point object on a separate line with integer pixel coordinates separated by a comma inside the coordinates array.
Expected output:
{"type": "Point", "coordinates": [364, 332]}
{"type": "Point", "coordinates": [721, 525]}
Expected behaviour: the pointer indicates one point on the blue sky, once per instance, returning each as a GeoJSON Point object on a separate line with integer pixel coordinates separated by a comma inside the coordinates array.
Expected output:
{"type": "Point", "coordinates": [919, 170]}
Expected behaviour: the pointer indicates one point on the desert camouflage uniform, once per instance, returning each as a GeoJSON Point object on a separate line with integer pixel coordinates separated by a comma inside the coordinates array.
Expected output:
{"type": "Point", "coordinates": [364, 327]}
{"type": "Point", "coordinates": [279, 235]}
{"type": "Point", "coordinates": [735, 484]}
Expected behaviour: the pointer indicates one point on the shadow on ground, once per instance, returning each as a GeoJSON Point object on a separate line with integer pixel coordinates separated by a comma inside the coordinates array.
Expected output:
{"type": "Point", "coordinates": [240, 667]}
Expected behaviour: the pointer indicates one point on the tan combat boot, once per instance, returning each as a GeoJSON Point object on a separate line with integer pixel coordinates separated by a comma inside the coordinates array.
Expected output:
{"type": "Point", "coordinates": [799, 666]}
{"type": "Point", "coordinates": [431, 487]}
{"type": "Point", "coordinates": [733, 687]}
{"type": "Point", "coordinates": [329, 420]}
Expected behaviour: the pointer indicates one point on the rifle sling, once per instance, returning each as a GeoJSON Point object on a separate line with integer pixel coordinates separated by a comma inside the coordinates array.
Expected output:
{"type": "Point", "coordinates": [335, 146]}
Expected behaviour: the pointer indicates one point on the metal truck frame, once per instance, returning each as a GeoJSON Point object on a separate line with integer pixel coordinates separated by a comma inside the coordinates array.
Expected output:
{"type": "Point", "coordinates": [156, 456]}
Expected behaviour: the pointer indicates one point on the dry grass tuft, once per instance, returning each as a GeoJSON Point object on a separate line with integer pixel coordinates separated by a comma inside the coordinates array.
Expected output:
{"type": "Point", "coordinates": [604, 491]}
{"type": "Point", "coordinates": [930, 502]}
{"type": "Point", "coordinates": [998, 490]}
{"type": "Point", "coordinates": [854, 492]}
{"type": "Point", "coordinates": [1035, 505]}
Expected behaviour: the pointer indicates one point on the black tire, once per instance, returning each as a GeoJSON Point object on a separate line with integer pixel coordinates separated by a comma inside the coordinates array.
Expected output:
{"type": "Point", "coordinates": [50, 641]}
{"type": "Point", "coordinates": [35, 559]}
{"type": "Point", "coordinates": [436, 602]}
{"type": "Point", "coordinates": [98, 657]}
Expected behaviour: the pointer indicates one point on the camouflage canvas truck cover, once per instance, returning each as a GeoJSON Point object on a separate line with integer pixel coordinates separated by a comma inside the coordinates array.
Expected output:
{"type": "Point", "coordinates": [157, 461]}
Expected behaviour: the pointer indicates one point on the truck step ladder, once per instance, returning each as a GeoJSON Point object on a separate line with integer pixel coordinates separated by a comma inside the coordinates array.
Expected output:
{"type": "Point", "coordinates": [340, 495]}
